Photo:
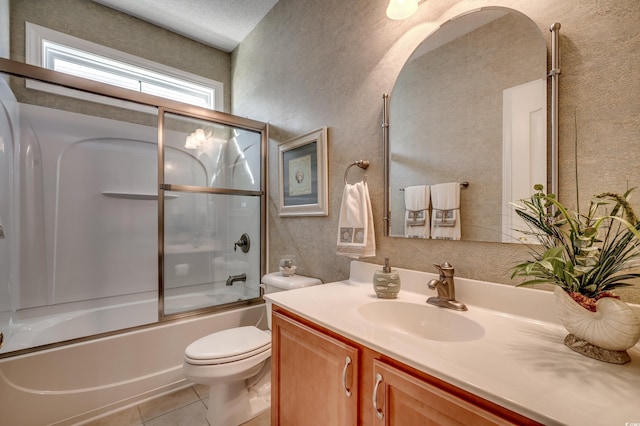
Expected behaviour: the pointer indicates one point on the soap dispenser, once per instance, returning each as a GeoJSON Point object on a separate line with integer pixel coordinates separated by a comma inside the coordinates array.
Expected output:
{"type": "Point", "coordinates": [386, 282]}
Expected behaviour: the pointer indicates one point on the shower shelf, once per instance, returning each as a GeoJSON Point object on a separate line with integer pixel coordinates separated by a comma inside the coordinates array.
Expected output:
{"type": "Point", "coordinates": [135, 195]}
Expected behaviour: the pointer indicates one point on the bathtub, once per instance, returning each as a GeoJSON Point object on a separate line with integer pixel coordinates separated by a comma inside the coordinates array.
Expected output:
{"type": "Point", "coordinates": [52, 324]}
{"type": "Point", "coordinates": [81, 381]}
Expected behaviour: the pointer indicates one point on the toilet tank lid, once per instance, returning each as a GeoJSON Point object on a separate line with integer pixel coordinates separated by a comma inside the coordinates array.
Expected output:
{"type": "Point", "coordinates": [276, 279]}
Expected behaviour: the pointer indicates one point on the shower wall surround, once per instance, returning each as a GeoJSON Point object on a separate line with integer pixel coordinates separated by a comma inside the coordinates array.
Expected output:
{"type": "Point", "coordinates": [310, 64]}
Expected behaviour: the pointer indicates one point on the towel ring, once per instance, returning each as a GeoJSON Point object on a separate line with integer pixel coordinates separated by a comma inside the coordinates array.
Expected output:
{"type": "Point", "coordinates": [363, 164]}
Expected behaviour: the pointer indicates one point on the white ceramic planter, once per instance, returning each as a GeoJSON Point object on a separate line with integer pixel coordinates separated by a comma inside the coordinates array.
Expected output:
{"type": "Point", "coordinates": [614, 326]}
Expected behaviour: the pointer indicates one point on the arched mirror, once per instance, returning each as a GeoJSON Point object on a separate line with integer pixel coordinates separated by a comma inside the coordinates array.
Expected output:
{"type": "Point", "coordinates": [469, 107]}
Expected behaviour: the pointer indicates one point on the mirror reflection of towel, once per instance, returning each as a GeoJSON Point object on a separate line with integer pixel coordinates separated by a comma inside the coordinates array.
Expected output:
{"type": "Point", "coordinates": [445, 218]}
{"type": "Point", "coordinates": [416, 202]}
{"type": "Point", "coordinates": [356, 237]}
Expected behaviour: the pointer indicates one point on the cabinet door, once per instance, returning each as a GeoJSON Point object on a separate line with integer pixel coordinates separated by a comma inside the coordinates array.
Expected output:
{"type": "Point", "coordinates": [313, 377]}
{"type": "Point", "coordinates": [401, 399]}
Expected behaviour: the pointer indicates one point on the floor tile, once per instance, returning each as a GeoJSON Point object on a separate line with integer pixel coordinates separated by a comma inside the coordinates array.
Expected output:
{"type": "Point", "coordinates": [263, 419]}
{"type": "Point", "coordinates": [128, 417]}
{"type": "Point", "coordinates": [194, 414]}
{"type": "Point", "coordinates": [164, 404]}
{"type": "Point", "coordinates": [181, 408]}
{"type": "Point", "coordinates": [202, 391]}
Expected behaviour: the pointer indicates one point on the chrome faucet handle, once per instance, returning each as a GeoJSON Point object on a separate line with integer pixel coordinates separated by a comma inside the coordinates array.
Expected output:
{"type": "Point", "coordinates": [446, 269]}
{"type": "Point", "coordinates": [244, 243]}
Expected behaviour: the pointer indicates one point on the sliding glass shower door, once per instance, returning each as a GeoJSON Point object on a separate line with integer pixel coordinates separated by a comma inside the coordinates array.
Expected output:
{"type": "Point", "coordinates": [210, 206]}
{"type": "Point", "coordinates": [121, 210]}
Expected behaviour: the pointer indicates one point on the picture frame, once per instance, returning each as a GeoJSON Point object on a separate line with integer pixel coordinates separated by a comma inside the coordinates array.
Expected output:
{"type": "Point", "coordinates": [302, 175]}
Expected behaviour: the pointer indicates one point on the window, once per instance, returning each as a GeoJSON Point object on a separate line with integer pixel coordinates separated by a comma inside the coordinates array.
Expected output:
{"type": "Point", "coordinates": [64, 53]}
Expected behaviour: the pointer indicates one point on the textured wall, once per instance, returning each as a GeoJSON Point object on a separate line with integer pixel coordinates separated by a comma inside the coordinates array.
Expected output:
{"type": "Point", "coordinates": [99, 24]}
{"type": "Point", "coordinates": [314, 63]}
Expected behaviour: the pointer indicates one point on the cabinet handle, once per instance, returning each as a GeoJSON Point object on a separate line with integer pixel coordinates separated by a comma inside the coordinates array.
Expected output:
{"type": "Point", "coordinates": [347, 362]}
{"type": "Point", "coordinates": [379, 412]}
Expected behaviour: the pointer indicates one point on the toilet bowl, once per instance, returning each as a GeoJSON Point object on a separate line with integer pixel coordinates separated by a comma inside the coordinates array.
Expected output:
{"type": "Point", "coordinates": [235, 363]}
{"type": "Point", "coordinates": [225, 361]}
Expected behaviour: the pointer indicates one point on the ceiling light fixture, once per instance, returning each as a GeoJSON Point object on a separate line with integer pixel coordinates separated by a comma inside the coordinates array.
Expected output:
{"type": "Point", "coordinates": [402, 9]}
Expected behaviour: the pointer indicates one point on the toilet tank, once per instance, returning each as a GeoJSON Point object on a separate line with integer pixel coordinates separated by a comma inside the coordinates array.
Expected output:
{"type": "Point", "coordinates": [275, 281]}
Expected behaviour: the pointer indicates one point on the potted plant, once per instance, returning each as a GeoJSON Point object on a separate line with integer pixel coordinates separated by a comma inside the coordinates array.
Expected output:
{"type": "Point", "coordinates": [586, 256]}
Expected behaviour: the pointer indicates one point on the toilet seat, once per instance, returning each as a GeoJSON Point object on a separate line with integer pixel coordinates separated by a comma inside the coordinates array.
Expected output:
{"type": "Point", "coordinates": [228, 346]}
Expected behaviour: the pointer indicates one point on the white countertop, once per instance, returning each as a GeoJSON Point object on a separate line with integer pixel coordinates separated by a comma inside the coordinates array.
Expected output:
{"type": "Point", "coordinates": [519, 363]}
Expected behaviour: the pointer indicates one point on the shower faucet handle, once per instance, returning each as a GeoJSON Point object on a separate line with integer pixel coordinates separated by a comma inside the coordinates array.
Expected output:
{"type": "Point", "coordinates": [244, 243]}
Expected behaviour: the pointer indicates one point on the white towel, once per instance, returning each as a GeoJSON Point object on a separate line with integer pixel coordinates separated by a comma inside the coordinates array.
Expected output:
{"type": "Point", "coordinates": [445, 217]}
{"type": "Point", "coordinates": [356, 236]}
{"type": "Point", "coordinates": [416, 217]}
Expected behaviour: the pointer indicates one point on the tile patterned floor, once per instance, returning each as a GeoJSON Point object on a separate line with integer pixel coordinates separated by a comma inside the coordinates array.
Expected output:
{"type": "Point", "coordinates": [186, 407]}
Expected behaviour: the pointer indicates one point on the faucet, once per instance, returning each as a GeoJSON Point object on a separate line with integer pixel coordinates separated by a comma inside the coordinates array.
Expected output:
{"type": "Point", "coordinates": [234, 278]}
{"type": "Point", "coordinates": [446, 289]}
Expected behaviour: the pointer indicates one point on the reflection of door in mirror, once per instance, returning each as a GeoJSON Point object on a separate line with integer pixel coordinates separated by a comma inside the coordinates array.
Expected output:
{"type": "Point", "coordinates": [459, 106]}
{"type": "Point", "coordinates": [524, 152]}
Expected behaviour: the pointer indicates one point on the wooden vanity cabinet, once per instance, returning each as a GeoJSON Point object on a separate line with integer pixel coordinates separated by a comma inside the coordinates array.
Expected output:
{"type": "Point", "coordinates": [312, 377]}
{"type": "Point", "coordinates": [314, 369]}
{"type": "Point", "coordinates": [403, 399]}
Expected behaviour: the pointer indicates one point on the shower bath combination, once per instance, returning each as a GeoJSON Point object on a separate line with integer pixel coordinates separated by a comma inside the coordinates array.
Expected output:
{"type": "Point", "coordinates": [112, 224]}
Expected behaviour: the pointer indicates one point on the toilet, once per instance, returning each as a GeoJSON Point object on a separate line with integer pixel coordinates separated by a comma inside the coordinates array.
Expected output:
{"type": "Point", "coordinates": [235, 363]}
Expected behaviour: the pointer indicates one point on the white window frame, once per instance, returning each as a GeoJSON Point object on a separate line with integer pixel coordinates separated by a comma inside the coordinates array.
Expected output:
{"type": "Point", "coordinates": [36, 35]}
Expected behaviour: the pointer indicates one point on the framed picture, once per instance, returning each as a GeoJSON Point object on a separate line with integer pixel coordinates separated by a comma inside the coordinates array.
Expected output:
{"type": "Point", "coordinates": [302, 175]}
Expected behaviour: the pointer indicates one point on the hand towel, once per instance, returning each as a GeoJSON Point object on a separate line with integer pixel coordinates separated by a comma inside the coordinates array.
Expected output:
{"type": "Point", "coordinates": [416, 220]}
{"type": "Point", "coordinates": [356, 236]}
{"type": "Point", "coordinates": [445, 217]}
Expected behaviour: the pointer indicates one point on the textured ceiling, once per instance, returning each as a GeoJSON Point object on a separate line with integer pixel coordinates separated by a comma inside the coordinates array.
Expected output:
{"type": "Point", "coordinates": [218, 23]}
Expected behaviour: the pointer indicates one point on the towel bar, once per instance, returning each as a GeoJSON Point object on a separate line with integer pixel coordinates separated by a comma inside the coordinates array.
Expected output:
{"type": "Point", "coordinates": [463, 185]}
{"type": "Point", "coordinates": [363, 164]}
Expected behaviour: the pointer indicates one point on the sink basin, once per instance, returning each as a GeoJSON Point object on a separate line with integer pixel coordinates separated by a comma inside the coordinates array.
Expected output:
{"type": "Point", "coordinates": [423, 321]}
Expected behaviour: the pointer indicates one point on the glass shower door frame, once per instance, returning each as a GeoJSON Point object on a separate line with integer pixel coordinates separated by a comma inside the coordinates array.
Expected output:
{"type": "Point", "coordinates": [221, 119]}
{"type": "Point", "coordinates": [137, 102]}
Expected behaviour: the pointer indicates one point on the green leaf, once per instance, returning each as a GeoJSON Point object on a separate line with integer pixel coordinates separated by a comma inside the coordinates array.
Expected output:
{"type": "Point", "coordinates": [580, 252]}
{"type": "Point", "coordinates": [554, 253]}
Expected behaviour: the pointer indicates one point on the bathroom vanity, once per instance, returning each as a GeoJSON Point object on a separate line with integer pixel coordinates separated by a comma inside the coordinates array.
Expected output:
{"type": "Point", "coordinates": [342, 356]}
{"type": "Point", "coordinates": [336, 382]}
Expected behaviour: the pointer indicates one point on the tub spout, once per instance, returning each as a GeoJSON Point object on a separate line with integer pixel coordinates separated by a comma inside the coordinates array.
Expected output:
{"type": "Point", "coordinates": [234, 278]}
